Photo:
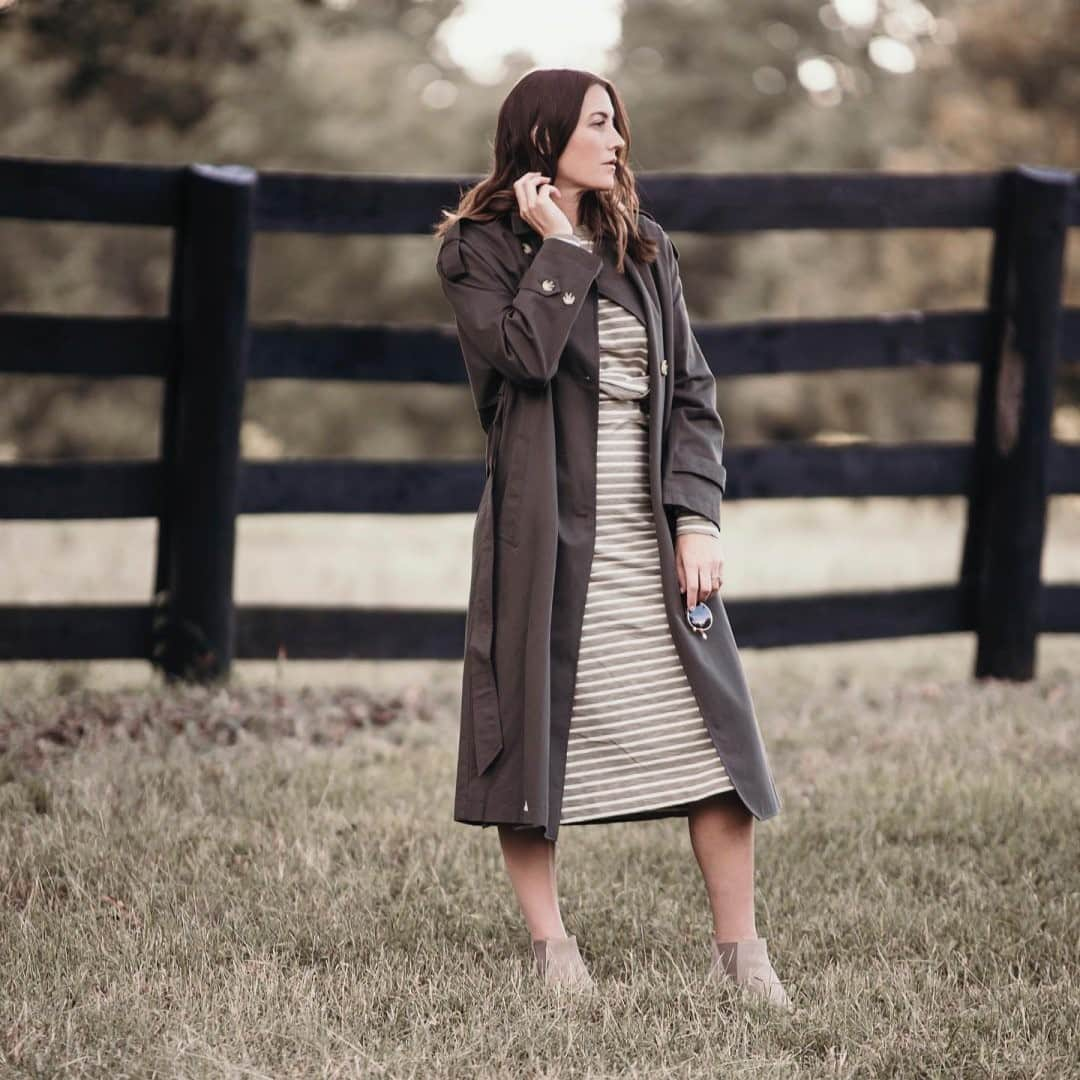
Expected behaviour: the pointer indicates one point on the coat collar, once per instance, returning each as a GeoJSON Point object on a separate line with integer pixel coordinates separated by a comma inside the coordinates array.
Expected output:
{"type": "Point", "coordinates": [635, 290]}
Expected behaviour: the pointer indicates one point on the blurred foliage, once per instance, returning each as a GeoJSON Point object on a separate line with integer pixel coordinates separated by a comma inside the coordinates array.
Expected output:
{"type": "Point", "coordinates": [369, 87]}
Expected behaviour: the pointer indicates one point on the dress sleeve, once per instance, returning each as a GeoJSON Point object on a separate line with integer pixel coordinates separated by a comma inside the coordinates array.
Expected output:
{"type": "Point", "coordinates": [687, 521]}
{"type": "Point", "coordinates": [570, 240]}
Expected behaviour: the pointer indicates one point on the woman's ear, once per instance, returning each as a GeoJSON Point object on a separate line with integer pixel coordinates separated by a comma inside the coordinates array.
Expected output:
{"type": "Point", "coordinates": [543, 147]}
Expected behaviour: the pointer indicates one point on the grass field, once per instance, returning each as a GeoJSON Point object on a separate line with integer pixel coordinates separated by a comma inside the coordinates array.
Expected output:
{"type": "Point", "coordinates": [266, 880]}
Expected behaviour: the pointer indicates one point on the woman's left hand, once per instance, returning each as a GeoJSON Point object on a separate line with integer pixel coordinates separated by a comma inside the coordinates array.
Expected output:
{"type": "Point", "coordinates": [699, 563]}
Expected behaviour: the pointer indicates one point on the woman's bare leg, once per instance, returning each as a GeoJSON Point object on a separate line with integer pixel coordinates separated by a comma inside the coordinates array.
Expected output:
{"type": "Point", "coordinates": [530, 862]}
{"type": "Point", "coordinates": [722, 836]}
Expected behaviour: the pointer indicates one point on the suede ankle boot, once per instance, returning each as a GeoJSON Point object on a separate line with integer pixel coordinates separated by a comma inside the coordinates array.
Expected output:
{"type": "Point", "coordinates": [559, 963]}
{"type": "Point", "coordinates": [747, 962]}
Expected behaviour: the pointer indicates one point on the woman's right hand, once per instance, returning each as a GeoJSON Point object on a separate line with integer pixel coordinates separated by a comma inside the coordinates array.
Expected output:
{"type": "Point", "coordinates": [536, 207]}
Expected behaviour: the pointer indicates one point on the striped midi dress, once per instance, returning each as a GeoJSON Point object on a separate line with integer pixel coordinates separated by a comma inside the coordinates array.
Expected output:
{"type": "Point", "coordinates": [638, 745]}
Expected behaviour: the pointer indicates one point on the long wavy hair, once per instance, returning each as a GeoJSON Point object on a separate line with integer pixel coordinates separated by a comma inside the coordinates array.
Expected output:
{"type": "Point", "coordinates": [534, 125]}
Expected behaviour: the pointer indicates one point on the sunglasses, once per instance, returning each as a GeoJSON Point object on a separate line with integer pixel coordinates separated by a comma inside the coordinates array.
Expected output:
{"type": "Point", "coordinates": [700, 618]}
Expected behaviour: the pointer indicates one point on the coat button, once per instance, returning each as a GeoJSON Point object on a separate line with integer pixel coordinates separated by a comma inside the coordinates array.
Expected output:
{"type": "Point", "coordinates": [567, 297]}
{"type": "Point", "coordinates": [548, 285]}
{"type": "Point", "coordinates": [526, 247]}
{"type": "Point", "coordinates": [663, 367]}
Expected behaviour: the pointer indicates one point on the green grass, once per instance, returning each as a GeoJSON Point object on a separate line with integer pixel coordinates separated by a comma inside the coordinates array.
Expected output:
{"type": "Point", "coordinates": [268, 882]}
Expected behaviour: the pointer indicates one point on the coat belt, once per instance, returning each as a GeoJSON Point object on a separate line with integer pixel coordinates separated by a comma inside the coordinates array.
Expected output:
{"type": "Point", "coordinates": [487, 725]}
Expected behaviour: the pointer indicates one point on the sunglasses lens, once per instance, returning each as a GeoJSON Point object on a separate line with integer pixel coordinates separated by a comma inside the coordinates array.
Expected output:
{"type": "Point", "coordinates": [700, 616]}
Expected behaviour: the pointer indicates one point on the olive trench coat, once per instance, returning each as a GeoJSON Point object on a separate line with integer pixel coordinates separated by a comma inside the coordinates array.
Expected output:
{"type": "Point", "coordinates": [526, 315]}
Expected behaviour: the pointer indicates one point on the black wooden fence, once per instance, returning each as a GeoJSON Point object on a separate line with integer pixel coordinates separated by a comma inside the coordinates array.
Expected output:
{"type": "Point", "coordinates": [206, 351]}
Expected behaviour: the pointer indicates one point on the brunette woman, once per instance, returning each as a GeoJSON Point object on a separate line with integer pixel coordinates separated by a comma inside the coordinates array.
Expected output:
{"type": "Point", "coordinates": [601, 681]}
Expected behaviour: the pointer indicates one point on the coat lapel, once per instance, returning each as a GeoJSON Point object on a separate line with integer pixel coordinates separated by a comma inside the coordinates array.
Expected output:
{"type": "Point", "coordinates": [659, 387]}
{"type": "Point", "coordinates": [621, 288]}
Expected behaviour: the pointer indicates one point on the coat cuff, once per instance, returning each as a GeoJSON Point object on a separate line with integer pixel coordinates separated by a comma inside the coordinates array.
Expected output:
{"type": "Point", "coordinates": [695, 491]}
{"type": "Point", "coordinates": [569, 268]}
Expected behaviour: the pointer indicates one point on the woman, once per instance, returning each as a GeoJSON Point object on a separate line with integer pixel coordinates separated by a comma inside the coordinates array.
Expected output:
{"type": "Point", "coordinates": [601, 679]}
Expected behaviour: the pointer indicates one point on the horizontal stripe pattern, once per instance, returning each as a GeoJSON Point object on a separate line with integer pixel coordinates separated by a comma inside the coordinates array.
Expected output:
{"type": "Point", "coordinates": [637, 740]}
{"type": "Point", "coordinates": [686, 520]}
{"type": "Point", "coordinates": [691, 522]}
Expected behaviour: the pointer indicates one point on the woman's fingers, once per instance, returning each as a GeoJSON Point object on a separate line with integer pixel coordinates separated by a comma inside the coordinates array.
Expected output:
{"type": "Point", "coordinates": [692, 579]}
{"type": "Point", "coordinates": [526, 188]}
{"type": "Point", "coordinates": [705, 580]}
{"type": "Point", "coordinates": [519, 193]}
{"type": "Point", "coordinates": [711, 579]}
{"type": "Point", "coordinates": [530, 190]}
{"type": "Point", "coordinates": [698, 579]}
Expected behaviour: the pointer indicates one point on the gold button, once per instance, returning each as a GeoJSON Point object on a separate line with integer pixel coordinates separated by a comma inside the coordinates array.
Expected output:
{"type": "Point", "coordinates": [567, 297]}
{"type": "Point", "coordinates": [526, 247]}
{"type": "Point", "coordinates": [663, 367]}
{"type": "Point", "coordinates": [548, 285]}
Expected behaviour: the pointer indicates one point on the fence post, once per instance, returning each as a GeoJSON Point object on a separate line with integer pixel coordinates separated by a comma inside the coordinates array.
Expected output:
{"type": "Point", "coordinates": [167, 443]}
{"type": "Point", "coordinates": [194, 630]}
{"type": "Point", "coordinates": [1006, 522]}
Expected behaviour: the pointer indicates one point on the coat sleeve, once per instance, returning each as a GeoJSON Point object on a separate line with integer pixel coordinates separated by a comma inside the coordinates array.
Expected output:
{"type": "Point", "coordinates": [519, 329]}
{"type": "Point", "coordinates": [693, 475]}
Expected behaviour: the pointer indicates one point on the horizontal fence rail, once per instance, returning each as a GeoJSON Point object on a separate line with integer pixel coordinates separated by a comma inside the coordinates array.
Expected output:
{"type": "Point", "coordinates": [266, 632]}
{"type": "Point", "coordinates": [97, 490]}
{"type": "Point", "coordinates": [133, 194]}
{"type": "Point", "coordinates": [206, 351]}
{"type": "Point", "coordinates": [136, 346]}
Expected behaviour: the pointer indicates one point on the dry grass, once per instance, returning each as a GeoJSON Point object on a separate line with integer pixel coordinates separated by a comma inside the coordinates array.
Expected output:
{"type": "Point", "coordinates": [267, 881]}
{"type": "Point", "coordinates": [244, 895]}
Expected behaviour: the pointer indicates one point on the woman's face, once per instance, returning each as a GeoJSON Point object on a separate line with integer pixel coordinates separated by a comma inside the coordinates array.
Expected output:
{"type": "Point", "coordinates": [595, 142]}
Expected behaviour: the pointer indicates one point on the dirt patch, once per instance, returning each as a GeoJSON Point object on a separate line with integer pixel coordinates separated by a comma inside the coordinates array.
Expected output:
{"type": "Point", "coordinates": [34, 732]}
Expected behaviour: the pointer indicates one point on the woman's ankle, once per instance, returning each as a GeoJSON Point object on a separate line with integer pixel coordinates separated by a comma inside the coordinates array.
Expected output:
{"type": "Point", "coordinates": [734, 931]}
{"type": "Point", "coordinates": [548, 931]}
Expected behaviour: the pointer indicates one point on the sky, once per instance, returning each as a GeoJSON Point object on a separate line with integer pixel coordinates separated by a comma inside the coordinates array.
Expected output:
{"type": "Point", "coordinates": [481, 35]}
{"type": "Point", "coordinates": [555, 33]}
